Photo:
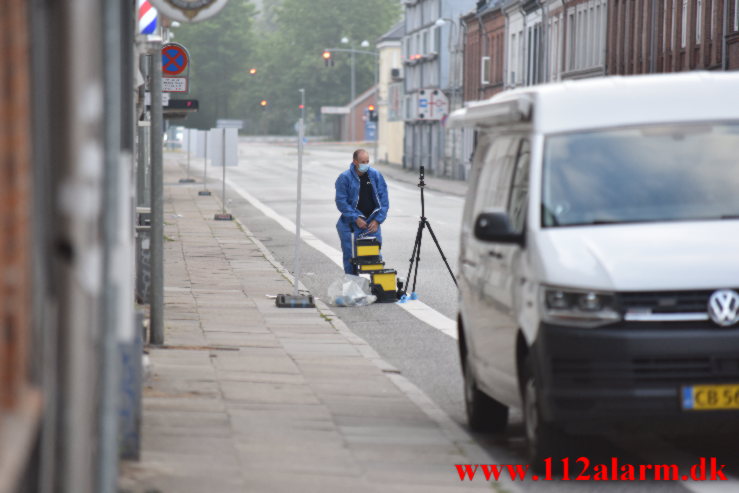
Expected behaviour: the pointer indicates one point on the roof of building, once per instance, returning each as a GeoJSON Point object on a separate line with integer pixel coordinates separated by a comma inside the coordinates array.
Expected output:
{"type": "Point", "coordinates": [482, 8]}
{"type": "Point", "coordinates": [396, 32]}
{"type": "Point", "coordinates": [605, 102]}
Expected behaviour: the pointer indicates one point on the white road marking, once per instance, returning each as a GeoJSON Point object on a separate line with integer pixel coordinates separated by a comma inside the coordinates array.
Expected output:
{"type": "Point", "coordinates": [418, 309]}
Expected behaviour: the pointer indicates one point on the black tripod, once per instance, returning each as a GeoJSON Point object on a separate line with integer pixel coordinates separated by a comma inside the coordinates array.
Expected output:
{"type": "Point", "coordinates": [416, 255]}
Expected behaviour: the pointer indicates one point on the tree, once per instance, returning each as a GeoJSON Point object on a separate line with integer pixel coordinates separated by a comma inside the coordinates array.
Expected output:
{"type": "Point", "coordinates": [285, 47]}
{"type": "Point", "coordinates": [290, 55]}
{"type": "Point", "coordinates": [220, 52]}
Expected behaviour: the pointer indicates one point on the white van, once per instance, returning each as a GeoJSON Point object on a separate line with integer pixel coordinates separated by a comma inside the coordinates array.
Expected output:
{"type": "Point", "coordinates": [599, 257]}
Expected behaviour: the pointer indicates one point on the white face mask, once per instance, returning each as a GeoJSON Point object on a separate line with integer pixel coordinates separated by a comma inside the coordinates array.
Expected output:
{"type": "Point", "coordinates": [363, 168]}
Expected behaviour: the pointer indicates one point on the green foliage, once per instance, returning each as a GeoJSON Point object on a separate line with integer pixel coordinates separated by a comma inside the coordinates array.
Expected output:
{"type": "Point", "coordinates": [221, 49]}
{"type": "Point", "coordinates": [285, 47]}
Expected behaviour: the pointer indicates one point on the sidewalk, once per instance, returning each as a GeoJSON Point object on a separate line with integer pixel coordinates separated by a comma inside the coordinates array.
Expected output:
{"type": "Point", "coordinates": [248, 397]}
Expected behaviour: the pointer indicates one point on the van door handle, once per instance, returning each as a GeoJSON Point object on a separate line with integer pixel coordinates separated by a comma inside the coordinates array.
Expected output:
{"type": "Point", "coordinates": [495, 253]}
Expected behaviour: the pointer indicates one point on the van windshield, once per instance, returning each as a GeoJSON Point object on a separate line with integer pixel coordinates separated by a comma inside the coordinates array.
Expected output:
{"type": "Point", "coordinates": [649, 173]}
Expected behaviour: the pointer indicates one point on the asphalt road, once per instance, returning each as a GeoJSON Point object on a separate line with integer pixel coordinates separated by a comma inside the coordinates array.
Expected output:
{"type": "Point", "coordinates": [262, 196]}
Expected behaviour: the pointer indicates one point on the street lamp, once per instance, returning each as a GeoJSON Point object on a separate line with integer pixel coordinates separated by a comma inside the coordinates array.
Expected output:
{"type": "Point", "coordinates": [353, 52]}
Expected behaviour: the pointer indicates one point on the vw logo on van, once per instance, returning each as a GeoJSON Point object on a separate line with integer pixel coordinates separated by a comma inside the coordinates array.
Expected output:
{"type": "Point", "coordinates": [723, 307]}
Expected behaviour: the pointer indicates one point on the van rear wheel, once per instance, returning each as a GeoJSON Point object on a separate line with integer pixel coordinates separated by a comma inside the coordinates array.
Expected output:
{"type": "Point", "coordinates": [483, 412]}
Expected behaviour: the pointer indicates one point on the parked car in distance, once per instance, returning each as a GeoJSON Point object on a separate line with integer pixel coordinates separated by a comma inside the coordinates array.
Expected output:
{"type": "Point", "coordinates": [599, 256]}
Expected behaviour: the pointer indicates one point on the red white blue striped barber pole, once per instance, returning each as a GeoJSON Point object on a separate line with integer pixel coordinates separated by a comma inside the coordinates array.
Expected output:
{"type": "Point", "coordinates": [147, 17]}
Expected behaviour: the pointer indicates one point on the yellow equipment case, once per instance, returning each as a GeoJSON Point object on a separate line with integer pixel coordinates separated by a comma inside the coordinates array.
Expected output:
{"type": "Point", "coordinates": [368, 264]}
{"type": "Point", "coordinates": [384, 285]}
{"type": "Point", "coordinates": [366, 247]}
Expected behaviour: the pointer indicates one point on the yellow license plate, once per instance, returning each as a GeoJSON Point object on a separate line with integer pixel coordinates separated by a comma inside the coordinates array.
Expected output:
{"type": "Point", "coordinates": [710, 397]}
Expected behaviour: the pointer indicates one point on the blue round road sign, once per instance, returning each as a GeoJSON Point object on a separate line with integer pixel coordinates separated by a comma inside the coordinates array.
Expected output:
{"type": "Point", "coordinates": [174, 59]}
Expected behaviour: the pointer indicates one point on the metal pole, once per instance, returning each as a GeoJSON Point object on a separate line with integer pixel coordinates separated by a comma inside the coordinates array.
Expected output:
{"type": "Point", "coordinates": [141, 198]}
{"type": "Point", "coordinates": [144, 126]}
{"type": "Point", "coordinates": [188, 153]}
{"type": "Point", "coordinates": [110, 318]}
{"type": "Point", "coordinates": [156, 335]}
{"type": "Point", "coordinates": [223, 162]}
{"type": "Point", "coordinates": [351, 113]}
{"type": "Point", "coordinates": [205, 159]}
{"type": "Point", "coordinates": [377, 107]}
{"type": "Point", "coordinates": [301, 133]}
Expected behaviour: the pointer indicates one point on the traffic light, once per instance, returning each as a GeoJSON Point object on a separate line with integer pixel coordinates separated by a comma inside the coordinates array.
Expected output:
{"type": "Point", "coordinates": [263, 103]}
{"type": "Point", "coordinates": [252, 71]}
{"type": "Point", "coordinates": [184, 104]}
{"type": "Point", "coordinates": [372, 113]}
{"type": "Point", "coordinates": [327, 60]}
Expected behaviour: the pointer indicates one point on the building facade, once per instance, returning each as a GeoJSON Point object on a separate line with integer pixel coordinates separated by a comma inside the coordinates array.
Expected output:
{"type": "Point", "coordinates": [432, 81]}
{"type": "Point", "coordinates": [554, 40]}
{"type": "Point", "coordinates": [672, 36]}
{"type": "Point", "coordinates": [354, 124]}
{"type": "Point", "coordinates": [67, 144]}
{"type": "Point", "coordinates": [484, 51]}
{"type": "Point", "coordinates": [390, 96]}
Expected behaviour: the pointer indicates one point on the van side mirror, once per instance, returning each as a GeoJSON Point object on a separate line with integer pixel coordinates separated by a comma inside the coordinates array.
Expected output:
{"type": "Point", "coordinates": [495, 227]}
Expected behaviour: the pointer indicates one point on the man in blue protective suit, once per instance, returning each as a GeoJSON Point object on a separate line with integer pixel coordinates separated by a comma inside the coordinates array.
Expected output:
{"type": "Point", "coordinates": [361, 197]}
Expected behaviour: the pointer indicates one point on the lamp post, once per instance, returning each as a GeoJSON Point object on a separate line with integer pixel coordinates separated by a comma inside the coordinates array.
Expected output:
{"type": "Point", "coordinates": [353, 51]}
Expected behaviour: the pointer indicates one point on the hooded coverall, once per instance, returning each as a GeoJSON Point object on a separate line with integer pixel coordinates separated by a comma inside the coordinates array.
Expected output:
{"type": "Point", "coordinates": [347, 197]}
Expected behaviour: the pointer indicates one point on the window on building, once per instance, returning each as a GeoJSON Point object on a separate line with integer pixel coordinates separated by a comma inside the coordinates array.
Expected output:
{"type": "Point", "coordinates": [698, 20]}
{"type": "Point", "coordinates": [736, 15]}
{"type": "Point", "coordinates": [674, 23]}
{"type": "Point", "coordinates": [585, 36]}
{"type": "Point", "coordinates": [665, 28]}
{"type": "Point", "coordinates": [588, 48]}
{"type": "Point", "coordinates": [626, 57]}
{"type": "Point", "coordinates": [425, 47]}
{"type": "Point", "coordinates": [485, 70]}
{"type": "Point", "coordinates": [684, 25]}
{"type": "Point", "coordinates": [521, 61]}
{"type": "Point", "coordinates": [513, 60]}
{"type": "Point", "coordinates": [571, 41]}
{"type": "Point", "coordinates": [554, 48]}
{"type": "Point", "coordinates": [434, 74]}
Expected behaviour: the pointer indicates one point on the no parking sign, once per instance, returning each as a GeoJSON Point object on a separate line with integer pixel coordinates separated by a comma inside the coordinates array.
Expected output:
{"type": "Point", "coordinates": [175, 61]}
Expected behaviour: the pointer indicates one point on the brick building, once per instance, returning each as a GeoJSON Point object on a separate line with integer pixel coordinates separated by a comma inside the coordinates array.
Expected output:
{"type": "Point", "coordinates": [646, 36]}
{"type": "Point", "coordinates": [484, 51]}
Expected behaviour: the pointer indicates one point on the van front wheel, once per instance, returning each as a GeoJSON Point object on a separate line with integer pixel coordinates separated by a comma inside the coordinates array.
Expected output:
{"type": "Point", "coordinates": [543, 439]}
{"type": "Point", "coordinates": [483, 412]}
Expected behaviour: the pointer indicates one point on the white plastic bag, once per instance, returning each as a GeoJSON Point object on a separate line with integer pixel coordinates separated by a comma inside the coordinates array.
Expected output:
{"type": "Point", "coordinates": [350, 291]}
